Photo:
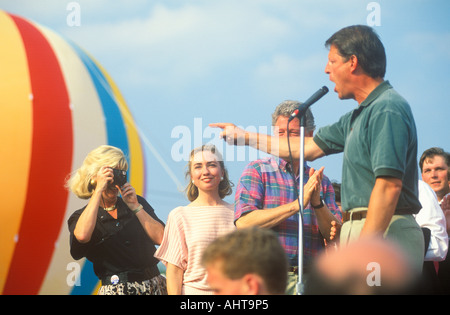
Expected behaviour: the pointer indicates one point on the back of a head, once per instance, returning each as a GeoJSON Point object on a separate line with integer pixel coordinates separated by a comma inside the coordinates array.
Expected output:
{"type": "Point", "coordinates": [251, 251]}
{"type": "Point", "coordinates": [365, 267]}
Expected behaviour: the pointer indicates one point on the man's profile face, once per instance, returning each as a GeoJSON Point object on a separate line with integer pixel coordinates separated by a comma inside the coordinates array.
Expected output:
{"type": "Point", "coordinates": [339, 70]}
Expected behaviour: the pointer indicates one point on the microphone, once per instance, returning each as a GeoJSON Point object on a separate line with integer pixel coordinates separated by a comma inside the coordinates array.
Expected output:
{"type": "Point", "coordinates": [300, 111]}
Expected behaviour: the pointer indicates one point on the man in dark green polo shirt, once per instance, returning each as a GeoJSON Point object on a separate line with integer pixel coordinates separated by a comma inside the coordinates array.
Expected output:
{"type": "Point", "coordinates": [378, 139]}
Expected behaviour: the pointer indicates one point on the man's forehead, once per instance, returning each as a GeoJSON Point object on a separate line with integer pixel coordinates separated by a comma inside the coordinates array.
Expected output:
{"type": "Point", "coordinates": [434, 160]}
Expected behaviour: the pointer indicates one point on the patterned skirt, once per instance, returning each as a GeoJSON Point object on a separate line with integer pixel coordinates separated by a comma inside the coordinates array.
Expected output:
{"type": "Point", "coordinates": [155, 286]}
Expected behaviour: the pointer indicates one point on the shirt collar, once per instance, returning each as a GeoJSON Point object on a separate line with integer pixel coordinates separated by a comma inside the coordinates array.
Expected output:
{"type": "Point", "coordinates": [382, 87]}
{"type": "Point", "coordinates": [286, 166]}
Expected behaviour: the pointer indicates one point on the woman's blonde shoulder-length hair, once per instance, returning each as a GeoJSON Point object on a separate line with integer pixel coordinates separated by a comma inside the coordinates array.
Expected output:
{"type": "Point", "coordinates": [225, 185]}
{"type": "Point", "coordinates": [104, 155]}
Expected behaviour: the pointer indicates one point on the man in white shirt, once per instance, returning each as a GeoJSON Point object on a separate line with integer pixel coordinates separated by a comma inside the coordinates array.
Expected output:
{"type": "Point", "coordinates": [432, 217]}
{"type": "Point", "coordinates": [434, 165]}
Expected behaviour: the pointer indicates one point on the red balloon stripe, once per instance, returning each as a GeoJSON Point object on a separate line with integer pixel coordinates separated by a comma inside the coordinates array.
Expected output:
{"type": "Point", "coordinates": [51, 160]}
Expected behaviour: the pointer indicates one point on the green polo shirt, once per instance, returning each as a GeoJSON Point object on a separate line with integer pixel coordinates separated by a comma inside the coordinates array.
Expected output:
{"type": "Point", "coordinates": [378, 138]}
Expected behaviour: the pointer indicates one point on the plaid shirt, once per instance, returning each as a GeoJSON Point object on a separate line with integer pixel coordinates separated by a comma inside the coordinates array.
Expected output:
{"type": "Point", "coordinates": [267, 183]}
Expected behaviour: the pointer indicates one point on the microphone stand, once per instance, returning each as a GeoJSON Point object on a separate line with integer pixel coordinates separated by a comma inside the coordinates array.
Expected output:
{"type": "Point", "coordinates": [300, 114]}
{"type": "Point", "coordinates": [300, 285]}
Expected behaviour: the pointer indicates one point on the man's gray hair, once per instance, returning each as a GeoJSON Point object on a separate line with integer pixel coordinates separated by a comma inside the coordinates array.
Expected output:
{"type": "Point", "coordinates": [286, 109]}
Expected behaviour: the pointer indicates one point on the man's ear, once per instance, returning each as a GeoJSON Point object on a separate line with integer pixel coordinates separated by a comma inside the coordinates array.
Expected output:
{"type": "Point", "coordinates": [354, 63]}
{"type": "Point", "coordinates": [253, 284]}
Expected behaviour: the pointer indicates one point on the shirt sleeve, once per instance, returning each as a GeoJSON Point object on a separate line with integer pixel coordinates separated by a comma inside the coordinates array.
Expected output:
{"type": "Point", "coordinates": [331, 139]}
{"type": "Point", "coordinates": [77, 250]}
{"type": "Point", "coordinates": [329, 198]}
{"type": "Point", "coordinates": [249, 192]}
{"type": "Point", "coordinates": [173, 248]}
{"type": "Point", "coordinates": [432, 217]}
{"type": "Point", "coordinates": [389, 144]}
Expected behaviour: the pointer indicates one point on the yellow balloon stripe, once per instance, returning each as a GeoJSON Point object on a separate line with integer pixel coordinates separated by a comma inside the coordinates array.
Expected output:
{"type": "Point", "coordinates": [137, 167]}
{"type": "Point", "coordinates": [16, 121]}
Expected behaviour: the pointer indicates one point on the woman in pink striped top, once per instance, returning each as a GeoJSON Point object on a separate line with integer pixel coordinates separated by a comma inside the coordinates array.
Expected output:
{"type": "Point", "coordinates": [191, 228]}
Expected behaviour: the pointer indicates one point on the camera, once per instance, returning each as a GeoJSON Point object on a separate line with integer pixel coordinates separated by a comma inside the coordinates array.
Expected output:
{"type": "Point", "coordinates": [120, 179]}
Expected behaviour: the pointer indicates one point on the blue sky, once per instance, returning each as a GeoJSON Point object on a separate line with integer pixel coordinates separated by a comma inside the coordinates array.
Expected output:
{"type": "Point", "coordinates": [183, 64]}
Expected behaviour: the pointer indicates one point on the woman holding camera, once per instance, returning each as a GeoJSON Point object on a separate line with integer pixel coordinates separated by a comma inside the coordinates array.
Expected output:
{"type": "Point", "coordinates": [117, 234]}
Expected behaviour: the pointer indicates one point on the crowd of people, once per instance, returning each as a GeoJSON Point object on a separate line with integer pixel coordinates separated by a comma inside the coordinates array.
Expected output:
{"type": "Point", "coordinates": [380, 215]}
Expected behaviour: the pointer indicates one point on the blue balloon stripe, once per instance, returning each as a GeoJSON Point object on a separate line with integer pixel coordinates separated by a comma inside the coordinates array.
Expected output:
{"type": "Point", "coordinates": [88, 280]}
{"type": "Point", "coordinates": [115, 126]}
{"type": "Point", "coordinates": [116, 136]}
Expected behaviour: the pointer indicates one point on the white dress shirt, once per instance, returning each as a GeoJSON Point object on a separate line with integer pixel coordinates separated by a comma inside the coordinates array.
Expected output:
{"type": "Point", "coordinates": [432, 217]}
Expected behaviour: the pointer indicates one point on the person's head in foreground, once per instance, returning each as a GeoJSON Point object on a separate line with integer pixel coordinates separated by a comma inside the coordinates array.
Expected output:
{"type": "Point", "coordinates": [372, 266]}
{"type": "Point", "coordinates": [249, 261]}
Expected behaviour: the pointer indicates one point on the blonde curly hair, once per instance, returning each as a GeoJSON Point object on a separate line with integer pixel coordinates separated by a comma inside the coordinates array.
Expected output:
{"type": "Point", "coordinates": [104, 155]}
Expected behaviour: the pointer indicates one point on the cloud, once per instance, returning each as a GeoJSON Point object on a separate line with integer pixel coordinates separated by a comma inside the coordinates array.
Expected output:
{"type": "Point", "coordinates": [291, 72]}
{"type": "Point", "coordinates": [176, 45]}
{"type": "Point", "coordinates": [171, 43]}
{"type": "Point", "coordinates": [279, 65]}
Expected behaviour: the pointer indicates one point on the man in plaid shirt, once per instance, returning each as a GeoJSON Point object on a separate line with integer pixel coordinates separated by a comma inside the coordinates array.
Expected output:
{"type": "Point", "coordinates": [267, 195]}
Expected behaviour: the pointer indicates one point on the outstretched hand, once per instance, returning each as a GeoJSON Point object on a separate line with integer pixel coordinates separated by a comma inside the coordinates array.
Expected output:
{"type": "Point", "coordinates": [232, 134]}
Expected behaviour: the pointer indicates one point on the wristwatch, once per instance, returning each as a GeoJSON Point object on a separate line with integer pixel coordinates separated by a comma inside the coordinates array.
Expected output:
{"type": "Point", "coordinates": [320, 205]}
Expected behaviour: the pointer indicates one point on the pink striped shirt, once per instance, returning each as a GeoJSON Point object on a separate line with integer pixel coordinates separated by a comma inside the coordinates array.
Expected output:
{"type": "Point", "coordinates": [188, 232]}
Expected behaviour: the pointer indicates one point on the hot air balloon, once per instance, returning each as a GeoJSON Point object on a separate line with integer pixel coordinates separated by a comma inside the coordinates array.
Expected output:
{"type": "Point", "coordinates": [57, 104]}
